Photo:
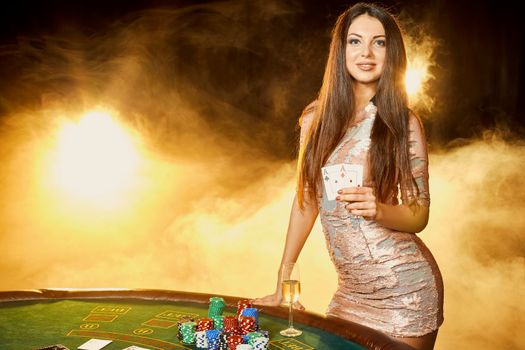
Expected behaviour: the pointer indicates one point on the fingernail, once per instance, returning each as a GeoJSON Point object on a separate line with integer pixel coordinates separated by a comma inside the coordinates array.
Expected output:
{"type": "Point", "coordinates": [340, 191]}
{"type": "Point", "coordinates": [337, 198]}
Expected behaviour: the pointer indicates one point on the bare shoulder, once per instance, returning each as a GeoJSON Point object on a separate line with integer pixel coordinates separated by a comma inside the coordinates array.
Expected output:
{"type": "Point", "coordinates": [308, 114]}
{"type": "Point", "coordinates": [414, 121]}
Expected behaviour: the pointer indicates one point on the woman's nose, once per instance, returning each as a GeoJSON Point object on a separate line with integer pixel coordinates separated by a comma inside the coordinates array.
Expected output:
{"type": "Point", "coordinates": [366, 51]}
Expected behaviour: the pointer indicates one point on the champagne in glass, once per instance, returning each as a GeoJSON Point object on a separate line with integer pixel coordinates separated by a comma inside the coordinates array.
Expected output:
{"type": "Point", "coordinates": [291, 290]}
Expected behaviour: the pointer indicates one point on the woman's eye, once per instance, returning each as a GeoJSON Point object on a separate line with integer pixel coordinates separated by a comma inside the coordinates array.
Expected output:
{"type": "Point", "coordinates": [381, 43]}
{"type": "Point", "coordinates": [353, 41]}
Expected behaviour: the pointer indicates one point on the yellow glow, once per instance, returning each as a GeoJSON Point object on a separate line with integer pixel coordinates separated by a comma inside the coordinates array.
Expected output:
{"type": "Point", "coordinates": [414, 78]}
{"type": "Point", "coordinates": [96, 158]}
{"type": "Point", "coordinates": [419, 74]}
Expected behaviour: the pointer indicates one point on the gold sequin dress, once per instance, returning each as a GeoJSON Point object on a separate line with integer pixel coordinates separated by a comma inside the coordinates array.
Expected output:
{"type": "Point", "coordinates": [387, 280]}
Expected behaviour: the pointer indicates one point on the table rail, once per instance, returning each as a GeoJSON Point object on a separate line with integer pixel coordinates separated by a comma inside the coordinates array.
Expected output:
{"type": "Point", "coordinates": [365, 336]}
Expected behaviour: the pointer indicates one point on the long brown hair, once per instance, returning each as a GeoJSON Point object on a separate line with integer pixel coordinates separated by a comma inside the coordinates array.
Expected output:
{"type": "Point", "coordinates": [389, 151]}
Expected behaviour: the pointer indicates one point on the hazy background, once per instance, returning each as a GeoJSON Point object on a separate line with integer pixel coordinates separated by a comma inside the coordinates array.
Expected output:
{"type": "Point", "coordinates": [194, 188]}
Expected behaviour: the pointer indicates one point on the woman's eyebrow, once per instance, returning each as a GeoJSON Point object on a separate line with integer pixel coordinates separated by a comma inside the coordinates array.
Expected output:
{"type": "Point", "coordinates": [360, 36]}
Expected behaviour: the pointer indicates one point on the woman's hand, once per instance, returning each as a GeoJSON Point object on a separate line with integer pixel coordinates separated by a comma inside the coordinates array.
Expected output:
{"type": "Point", "coordinates": [274, 299]}
{"type": "Point", "coordinates": [361, 201]}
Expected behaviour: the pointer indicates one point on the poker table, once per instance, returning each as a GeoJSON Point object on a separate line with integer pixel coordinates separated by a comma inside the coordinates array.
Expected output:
{"type": "Point", "coordinates": [33, 319]}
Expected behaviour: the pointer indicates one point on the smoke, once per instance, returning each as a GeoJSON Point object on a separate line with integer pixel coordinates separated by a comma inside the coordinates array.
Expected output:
{"type": "Point", "coordinates": [195, 84]}
{"type": "Point", "coordinates": [176, 77]}
{"type": "Point", "coordinates": [476, 233]}
{"type": "Point", "coordinates": [214, 98]}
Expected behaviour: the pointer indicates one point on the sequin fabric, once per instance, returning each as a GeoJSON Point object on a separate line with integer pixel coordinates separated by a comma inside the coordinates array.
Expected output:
{"type": "Point", "coordinates": [387, 280]}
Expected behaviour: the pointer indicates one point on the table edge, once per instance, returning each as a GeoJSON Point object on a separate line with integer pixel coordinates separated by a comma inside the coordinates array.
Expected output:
{"type": "Point", "coordinates": [362, 335]}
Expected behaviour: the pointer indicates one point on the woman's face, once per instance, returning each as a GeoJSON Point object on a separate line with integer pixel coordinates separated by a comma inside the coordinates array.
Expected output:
{"type": "Point", "coordinates": [365, 49]}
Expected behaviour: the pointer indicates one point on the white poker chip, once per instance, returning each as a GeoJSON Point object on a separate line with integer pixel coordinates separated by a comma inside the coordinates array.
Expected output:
{"type": "Point", "coordinates": [244, 347]}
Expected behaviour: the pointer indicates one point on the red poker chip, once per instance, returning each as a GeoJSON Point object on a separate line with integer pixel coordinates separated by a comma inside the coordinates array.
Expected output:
{"type": "Point", "coordinates": [247, 324]}
{"type": "Point", "coordinates": [241, 305]}
{"type": "Point", "coordinates": [204, 324]}
{"type": "Point", "coordinates": [233, 341]}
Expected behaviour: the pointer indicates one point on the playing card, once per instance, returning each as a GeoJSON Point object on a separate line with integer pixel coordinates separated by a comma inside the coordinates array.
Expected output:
{"type": "Point", "coordinates": [94, 344]}
{"type": "Point", "coordinates": [134, 347]}
{"type": "Point", "coordinates": [340, 176]}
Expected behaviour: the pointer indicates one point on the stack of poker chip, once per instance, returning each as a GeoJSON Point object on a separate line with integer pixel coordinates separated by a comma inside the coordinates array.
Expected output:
{"type": "Point", "coordinates": [244, 347]}
{"type": "Point", "coordinates": [252, 335]}
{"type": "Point", "coordinates": [218, 332]}
{"type": "Point", "coordinates": [233, 341]}
{"type": "Point", "coordinates": [187, 331]}
{"type": "Point", "coordinates": [251, 311]}
{"type": "Point", "coordinates": [223, 341]}
{"type": "Point", "coordinates": [201, 341]}
{"type": "Point", "coordinates": [213, 339]}
{"type": "Point", "coordinates": [241, 305]}
{"type": "Point", "coordinates": [260, 343]}
{"type": "Point", "coordinates": [182, 320]}
{"type": "Point", "coordinates": [218, 322]}
{"type": "Point", "coordinates": [247, 324]}
{"type": "Point", "coordinates": [231, 325]}
{"type": "Point", "coordinates": [205, 324]}
{"type": "Point", "coordinates": [216, 307]}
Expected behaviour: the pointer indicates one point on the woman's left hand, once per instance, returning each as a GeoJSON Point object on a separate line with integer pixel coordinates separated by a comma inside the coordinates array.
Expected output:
{"type": "Point", "coordinates": [361, 201]}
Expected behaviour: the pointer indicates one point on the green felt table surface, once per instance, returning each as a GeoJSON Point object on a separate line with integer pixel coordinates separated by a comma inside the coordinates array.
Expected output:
{"type": "Point", "coordinates": [149, 324]}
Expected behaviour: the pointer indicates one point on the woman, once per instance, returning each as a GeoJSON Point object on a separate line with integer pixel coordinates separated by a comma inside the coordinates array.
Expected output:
{"type": "Point", "coordinates": [388, 279]}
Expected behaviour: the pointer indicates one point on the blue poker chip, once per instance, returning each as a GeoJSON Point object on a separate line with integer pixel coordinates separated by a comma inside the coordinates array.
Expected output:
{"type": "Point", "coordinates": [213, 334]}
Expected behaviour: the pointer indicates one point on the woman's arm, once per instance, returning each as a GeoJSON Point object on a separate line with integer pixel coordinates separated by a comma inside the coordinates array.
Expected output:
{"type": "Point", "coordinates": [299, 228]}
{"type": "Point", "coordinates": [399, 217]}
{"type": "Point", "coordinates": [301, 221]}
{"type": "Point", "coordinates": [402, 218]}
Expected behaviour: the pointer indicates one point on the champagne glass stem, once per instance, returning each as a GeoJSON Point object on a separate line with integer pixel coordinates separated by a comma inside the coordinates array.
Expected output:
{"type": "Point", "coordinates": [290, 315]}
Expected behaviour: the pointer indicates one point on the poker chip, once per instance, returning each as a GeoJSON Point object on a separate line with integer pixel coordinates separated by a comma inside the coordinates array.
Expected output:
{"type": "Point", "coordinates": [201, 341]}
{"type": "Point", "coordinates": [218, 322]}
{"type": "Point", "coordinates": [213, 334]}
{"type": "Point", "coordinates": [260, 343]}
{"type": "Point", "coordinates": [233, 341]}
{"type": "Point", "coordinates": [205, 324]}
{"type": "Point", "coordinates": [244, 347]}
{"type": "Point", "coordinates": [217, 301]}
{"type": "Point", "coordinates": [223, 341]}
{"type": "Point", "coordinates": [216, 306]}
{"type": "Point", "coordinates": [231, 324]}
{"type": "Point", "coordinates": [247, 324]}
{"type": "Point", "coordinates": [253, 335]}
{"type": "Point", "coordinates": [213, 339]}
{"type": "Point", "coordinates": [213, 345]}
{"type": "Point", "coordinates": [180, 321]}
{"type": "Point", "coordinates": [241, 305]}
{"type": "Point", "coordinates": [251, 311]}
{"type": "Point", "coordinates": [224, 332]}
{"type": "Point", "coordinates": [187, 330]}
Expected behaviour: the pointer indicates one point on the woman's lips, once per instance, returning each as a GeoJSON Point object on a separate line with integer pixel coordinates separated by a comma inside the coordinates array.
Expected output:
{"type": "Point", "coordinates": [366, 66]}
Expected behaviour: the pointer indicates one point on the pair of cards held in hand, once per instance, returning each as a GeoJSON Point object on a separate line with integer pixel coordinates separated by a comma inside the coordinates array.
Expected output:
{"type": "Point", "coordinates": [338, 176]}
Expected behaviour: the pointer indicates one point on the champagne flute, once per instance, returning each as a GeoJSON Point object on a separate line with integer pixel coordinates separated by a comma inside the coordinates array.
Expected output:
{"type": "Point", "coordinates": [291, 290]}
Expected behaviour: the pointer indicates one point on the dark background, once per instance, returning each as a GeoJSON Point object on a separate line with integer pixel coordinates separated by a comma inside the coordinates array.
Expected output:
{"type": "Point", "coordinates": [479, 75]}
